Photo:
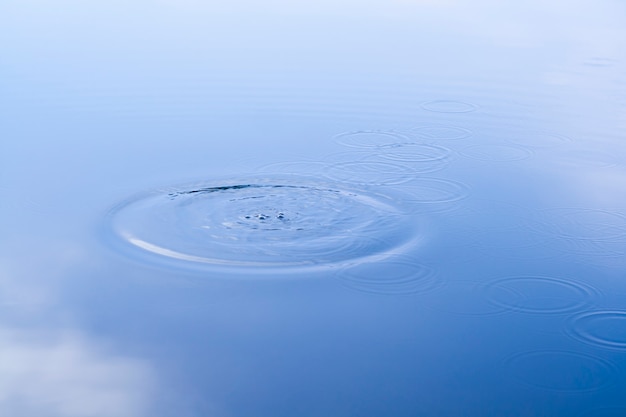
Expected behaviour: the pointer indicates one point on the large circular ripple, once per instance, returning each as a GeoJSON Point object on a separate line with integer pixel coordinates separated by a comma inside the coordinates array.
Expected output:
{"type": "Point", "coordinates": [262, 222]}
{"type": "Point", "coordinates": [605, 329]}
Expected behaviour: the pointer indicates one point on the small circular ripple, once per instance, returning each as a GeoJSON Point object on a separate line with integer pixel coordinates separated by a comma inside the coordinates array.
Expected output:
{"type": "Point", "coordinates": [261, 222]}
{"type": "Point", "coordinates": [370, 139]}
{"type": "Point", "coordinates": [449, 106]}
{"type": "Point", "coordinates": [561, 370]}
{"type": "Point", "coordinates": [605, 329]}
{"type": "Point", "coordinates": [577, 159]}
{"type": "Point", "coordinates": [541, 295]}
{"type": "Point", "coordinates": [433, 194]}
{"type": "Point", "coordinates": [496, 152]}
{"type": "Point", "coordinates": [394, 276]}
{"type": "Point", "coordinates": [434, 190]}
{"type": "Point", "coordinates": [442, 132]}
{"type": "Point", "coordinates": [294, 167]}
{"type": "Point", "coordinates": [539, 139]}
{"type": "Point", "coordinates": [370, 172]}
{"type": "Point", "coordinates": [581, 231]}
{"type": "Point", "coordinates": [415, 152]}
{"type": "Point", "coordinates": [581, 224]}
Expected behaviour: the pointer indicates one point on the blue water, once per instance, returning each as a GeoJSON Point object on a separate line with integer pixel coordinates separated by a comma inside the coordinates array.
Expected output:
{"type": "Point", "coordinates": [410, 208]}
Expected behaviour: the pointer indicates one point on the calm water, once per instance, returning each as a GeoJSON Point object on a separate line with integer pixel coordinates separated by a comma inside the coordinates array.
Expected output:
{"type": "Point", "coordinates": [410, 208]}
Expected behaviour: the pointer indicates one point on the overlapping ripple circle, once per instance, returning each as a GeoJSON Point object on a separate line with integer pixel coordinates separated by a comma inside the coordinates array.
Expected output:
{"type": "Point", "coordinates": [263, 222]}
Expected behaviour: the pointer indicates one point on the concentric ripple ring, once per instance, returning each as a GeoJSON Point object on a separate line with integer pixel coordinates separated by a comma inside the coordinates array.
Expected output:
{"type": "Point", "coordinates": [262, 222]}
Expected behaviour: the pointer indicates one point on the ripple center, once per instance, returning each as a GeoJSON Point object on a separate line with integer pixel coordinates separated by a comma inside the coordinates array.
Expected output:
{"type": "Point", "coordinates": [262, 222]}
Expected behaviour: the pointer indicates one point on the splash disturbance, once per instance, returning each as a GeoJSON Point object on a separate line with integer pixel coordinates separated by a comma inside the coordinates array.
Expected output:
{"type": "Point", "coordinates": [262, 222]}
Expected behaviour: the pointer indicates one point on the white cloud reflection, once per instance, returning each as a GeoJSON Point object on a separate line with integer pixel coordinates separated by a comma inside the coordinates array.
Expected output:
{"type": "Point", "coordinates": [66, 375]}
{"type": "Point", "coordinates": [47, 367]}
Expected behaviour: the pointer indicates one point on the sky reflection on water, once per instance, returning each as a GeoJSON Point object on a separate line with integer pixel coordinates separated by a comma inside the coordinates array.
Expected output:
{"type": "Point", "coordinates": [493, 133]}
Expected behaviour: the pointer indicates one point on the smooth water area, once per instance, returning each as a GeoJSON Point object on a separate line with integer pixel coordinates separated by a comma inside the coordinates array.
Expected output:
{"type": "Point", "coordinates": [408, 208]}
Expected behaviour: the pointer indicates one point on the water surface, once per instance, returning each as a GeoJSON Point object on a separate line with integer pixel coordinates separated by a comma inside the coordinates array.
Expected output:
{"type": "Point", "coordinates": [411, 208]}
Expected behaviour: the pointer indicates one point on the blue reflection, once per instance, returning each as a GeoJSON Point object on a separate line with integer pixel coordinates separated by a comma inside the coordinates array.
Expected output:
{"type": "Point", "coordinates": [325, 209]}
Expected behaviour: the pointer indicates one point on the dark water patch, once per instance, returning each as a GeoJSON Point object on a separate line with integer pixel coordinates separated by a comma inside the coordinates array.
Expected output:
{"type": "Point", "coordinates": [539, 139]}
{"type": "Point", "coordinates": [441, 132]}
{"type": "Point", "coordinates": [560, 370]}
{"type": "Point", "coordinates": [496, 152]}
{"type": "Point", "coordinates": [606, 329]}
{"type": "Point", "coordinates": [371, 139]}
{"type": "Point", "coordinates": [399, 275]}
{"type": "Point", "coordinates": [261, 222]}
{"type": "Point", "coordinates": [449, 106]}
{"type": "Point", "coordinates": [541, 294]}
